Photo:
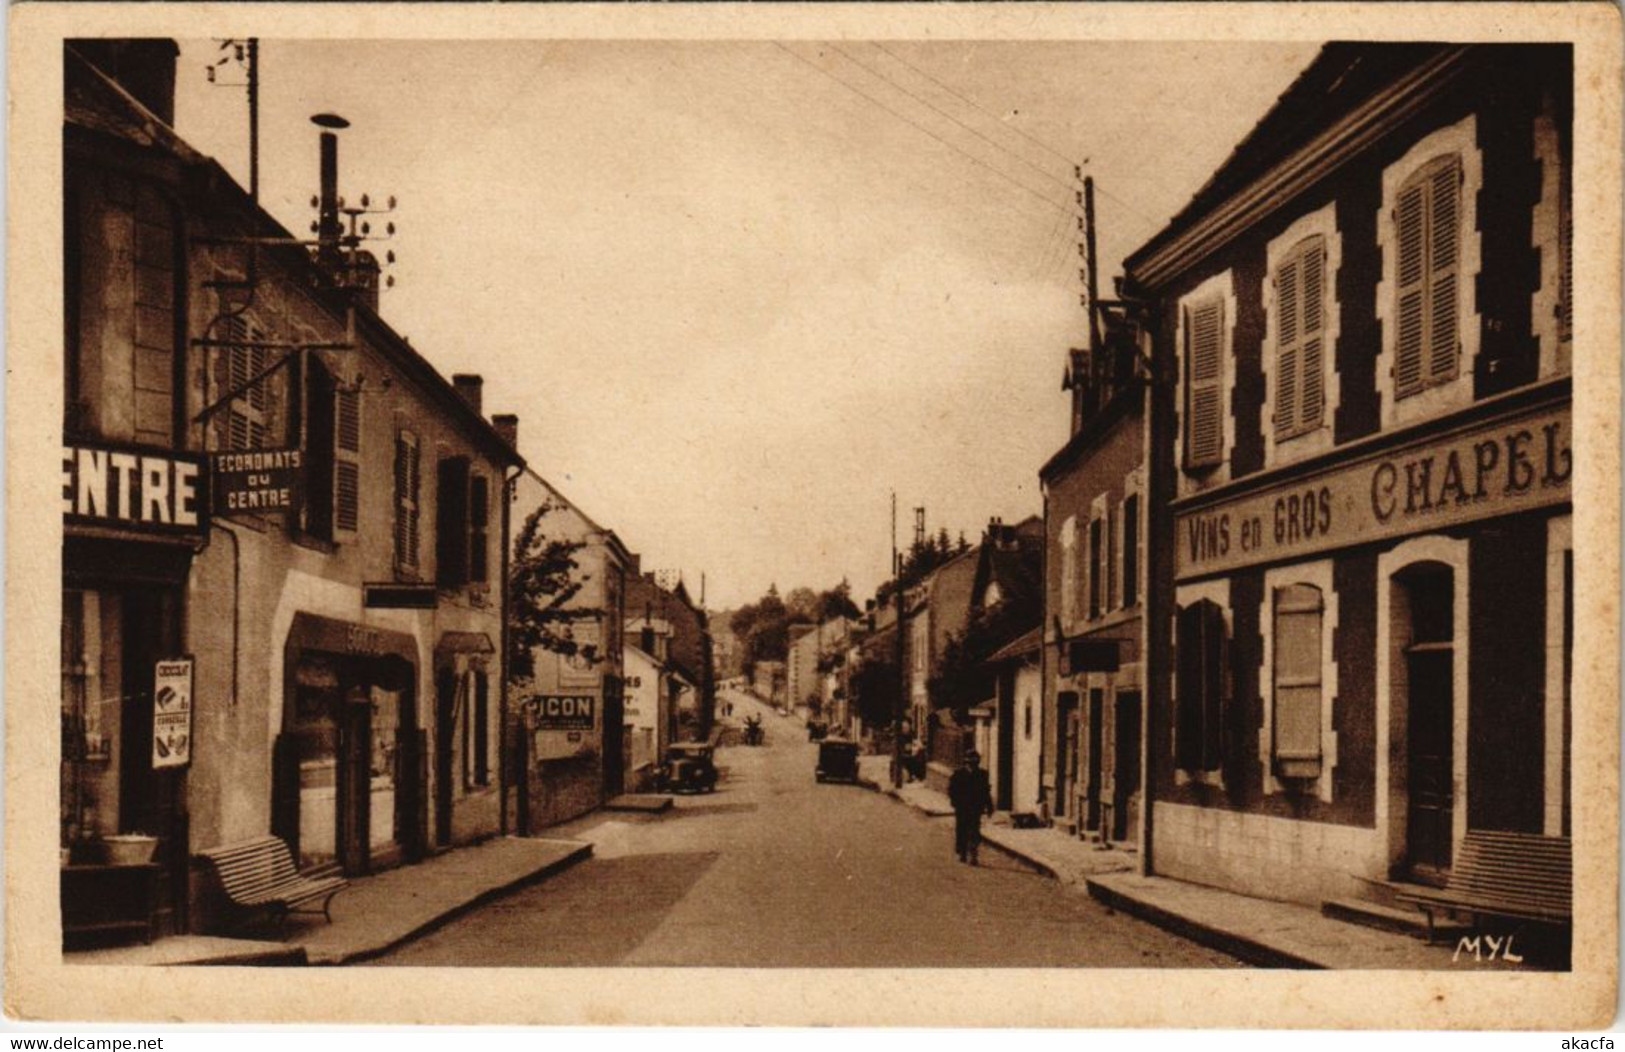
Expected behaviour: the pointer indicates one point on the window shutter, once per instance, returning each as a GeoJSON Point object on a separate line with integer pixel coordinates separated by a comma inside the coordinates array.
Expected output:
{"type": "Point", "coordinates": [1409, 219]}
{"type": "Point", "coordinates": [406, 500]}
{"type": "Point", "coordinates": [347, 467]}
{"type": "Point", "coordinates": [1299, 616]}
{"type": "Point", "coordinates": [1131, 550]}
{"type": "Point", "coordinates": [1111, 556]}
{"type": "Point", "coordinates": [1565, 268]}
{"type": "Point", "coordinates": [319, 461]}
{"type": "Point", "coordinates": [1287, 354]}
{"type": "Point", "coordinates": [1095, 576]}
{"type": "Point", "coordinates": [1204, 430]}
{"type": "Point", "coordinates": [479, 519]}
{"type": "Point", "coordinates": [482, 730]}
{"type": "Point", "coordinates": [1444, 239]}
{"type": "Point", "coordinates": [1312, 389]}
{"type": "Point", "coordinates": [1069, 571]}
{"type": "Point", "coordinates": [451, 523]}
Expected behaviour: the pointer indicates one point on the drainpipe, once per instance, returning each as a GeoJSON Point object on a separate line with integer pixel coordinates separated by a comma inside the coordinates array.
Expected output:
{"type": "Point", "coordinates": [504, 759]}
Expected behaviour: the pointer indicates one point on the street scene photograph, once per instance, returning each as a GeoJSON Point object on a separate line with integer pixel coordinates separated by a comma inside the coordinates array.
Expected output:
{"type": "Point", "coordinates": [848, 503]}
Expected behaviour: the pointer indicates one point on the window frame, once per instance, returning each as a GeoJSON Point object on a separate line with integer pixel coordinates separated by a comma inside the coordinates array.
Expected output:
{"type": "Point", "coordinates": [1423, 186]}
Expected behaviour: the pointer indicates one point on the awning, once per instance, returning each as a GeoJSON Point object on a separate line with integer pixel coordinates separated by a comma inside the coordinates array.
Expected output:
{"type": "Point", "coordinates": [348, 638]}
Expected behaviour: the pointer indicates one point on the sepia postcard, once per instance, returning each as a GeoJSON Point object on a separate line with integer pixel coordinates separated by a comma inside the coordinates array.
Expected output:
{"type": "Point", "coordinates": [1053, 515]}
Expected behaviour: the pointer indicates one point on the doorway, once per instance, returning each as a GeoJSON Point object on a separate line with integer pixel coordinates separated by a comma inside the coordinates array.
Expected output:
{"type": "Point", "coordinates": [1125, 762]}
{"type": "Point", "coordinates": [1097, 714]}
{"type": "Point", "coordinates": [1427, 683]}
{"type": "Point", "coordinates": [1065, 749]}
{"type": "Point", "coordinates": [445, 723]}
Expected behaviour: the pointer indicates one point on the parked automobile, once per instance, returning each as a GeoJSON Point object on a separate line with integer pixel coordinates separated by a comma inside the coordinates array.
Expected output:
{"type": "Point", "coordinates": [689, 768]}
{"type": "Point", "coordinates": [837, 760]}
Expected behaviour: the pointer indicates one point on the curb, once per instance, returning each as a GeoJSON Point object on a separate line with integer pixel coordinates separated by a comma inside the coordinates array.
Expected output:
{"type": "Point", "coordinates": [370, 952]}
{"type": "Point", "coordinates": [1249, 951]}
{"type": "Point", "coordinates": [1043, 868]}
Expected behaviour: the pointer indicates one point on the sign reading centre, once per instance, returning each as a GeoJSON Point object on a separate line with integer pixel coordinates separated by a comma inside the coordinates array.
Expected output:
{"type": "Point", "coordinates": [1498, 468]}
{"type": "Point", "coordinates": [138, 488]}
{"type": "Point", "coordinates": [257, 480]}
{"type": "Point", "coordinates": [563, 712]}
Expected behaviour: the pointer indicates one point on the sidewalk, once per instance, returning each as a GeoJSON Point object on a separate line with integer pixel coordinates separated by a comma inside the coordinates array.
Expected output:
{"type": "Point", "coordinates": [374, 914]}
{"type": "Point", "coordinates": [1259, 931]}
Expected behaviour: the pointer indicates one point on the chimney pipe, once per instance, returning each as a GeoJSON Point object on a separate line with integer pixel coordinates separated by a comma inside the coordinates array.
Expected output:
{"type": "Point", "coordinates": [469, 387]}
{"type": "Point", "coordinates": [507, 425]}
{"type": "Point", "coordinates": [328, 230]}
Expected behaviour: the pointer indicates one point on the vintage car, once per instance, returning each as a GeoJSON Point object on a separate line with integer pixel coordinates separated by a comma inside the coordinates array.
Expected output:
{"type": "Point", "coordinates": [837, 761]}
{"type": "Point", "coordinates": [689, 768]}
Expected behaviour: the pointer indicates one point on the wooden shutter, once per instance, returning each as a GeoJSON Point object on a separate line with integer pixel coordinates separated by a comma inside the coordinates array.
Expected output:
{"type": "Point", "coordinates": [1299, 617]}
{"type": "Point", "coordinates": [1204, 408]}
{"type": "Point", "coordinates": [347, 465]}
{"type": "Point", "coordinates": [479, 520]}
{"type": "Point", "coordinates": [1131, 550]}
{"type": "Point", "coordinates": [482, 732]}
{"type": "Point", "coordinates": [406, 500]}
{"type": "Point", "coordinates": [320, 386]}
{"type": "Point", "coordinates": [1427, 222]}
{"type": "Point", "coordinates": [1096, 578]}
{"type": "Point", "coordinates": [1300, 339]}
{"type": "Point", "coordinates": [451, 523]}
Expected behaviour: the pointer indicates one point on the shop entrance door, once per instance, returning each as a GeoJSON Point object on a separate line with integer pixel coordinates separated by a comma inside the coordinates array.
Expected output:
{"type": "Point", "coordinates": [1097, 714]}
{"type": "Point", "coordinates": [1126, 762]}
{"type": "Point", "coordinates": [1067, 726]}
{"type": "Point", "coordinates": [1429, 688]}
{"type": "Point", "coordinates": [353, 799]}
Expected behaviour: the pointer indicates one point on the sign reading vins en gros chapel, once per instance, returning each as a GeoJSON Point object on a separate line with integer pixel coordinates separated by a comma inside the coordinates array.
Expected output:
{"type": "Point", "coordinates": [1498, 468]}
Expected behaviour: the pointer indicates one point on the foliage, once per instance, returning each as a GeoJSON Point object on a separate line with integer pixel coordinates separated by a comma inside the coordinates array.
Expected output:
{"type": "Point", "coordinates": [875, 687]}
{"type": "Point", "coordinates": [763, 630]}
{"type": "Point", "coordinates": [835, 603]}
{"type": "Point", "coordinates": [962, 678]}
{"type": "Point", "coordinates": [922, 557]}
{"type": "Point", "coordinates": [542, 582]}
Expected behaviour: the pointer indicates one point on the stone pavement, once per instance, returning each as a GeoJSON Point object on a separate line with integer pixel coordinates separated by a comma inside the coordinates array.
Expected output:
{"type": "Point", "coordinates": [1259, 931]}
{"type": "Point", "coordinates": [374, 914]}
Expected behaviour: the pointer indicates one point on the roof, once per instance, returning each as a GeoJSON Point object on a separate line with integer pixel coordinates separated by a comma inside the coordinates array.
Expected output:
{"type": "Point", "coordinates": [1342, 75]}
{"type": "Point", "coordinates": [1026, 643]}
{"type": "Point", "coordinates": [96, 103]}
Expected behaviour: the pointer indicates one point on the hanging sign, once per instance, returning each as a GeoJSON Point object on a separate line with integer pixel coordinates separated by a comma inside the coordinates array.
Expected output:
{"type": "Point", "coordinates": [172, 713]}
{"type": "Point", "coordinates": [257, 480]}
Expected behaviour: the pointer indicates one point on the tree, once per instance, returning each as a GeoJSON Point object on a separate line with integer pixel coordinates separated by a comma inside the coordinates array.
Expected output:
{"type": "Point", "coordinates": [542, 582]}
{"type": "Point", "coordinates": [801, 605]}
{"type": "Point", "coordinates": [874, 684]}
{"type": "Point", "coordinates": [835, 603]}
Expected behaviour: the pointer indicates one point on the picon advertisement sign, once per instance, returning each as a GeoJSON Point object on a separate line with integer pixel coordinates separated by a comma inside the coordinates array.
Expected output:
{"type": "Point", "coordinates": [172, 713]}
{"type": "Point", "coordinates": [563, 712]}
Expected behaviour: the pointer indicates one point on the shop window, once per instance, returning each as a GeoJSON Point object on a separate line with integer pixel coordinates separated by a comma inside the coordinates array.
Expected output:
{"type": "Point", "coordinates": [1299, 621]}
{"type": "Point", "coordinates": [1427, 224]}
{"type": "Point", "coordinates": [406, 502]}
{"type": "Point", "coordinates": [1199, 686]}
{"type": "Point", "coordinates": [1131, 550]}
{"type": "Point", "coordinates": [1300, 366]}
{"type": "Point", "coordinates": [1204, 379]}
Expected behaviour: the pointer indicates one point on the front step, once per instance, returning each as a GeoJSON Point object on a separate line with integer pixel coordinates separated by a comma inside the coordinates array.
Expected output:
{"type": "Point", "coordinates": [1405, 921]}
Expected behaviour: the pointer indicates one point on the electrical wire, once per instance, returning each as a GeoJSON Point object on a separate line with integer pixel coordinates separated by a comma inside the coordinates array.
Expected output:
{"type": "Point", "coordinates": [926, 131]}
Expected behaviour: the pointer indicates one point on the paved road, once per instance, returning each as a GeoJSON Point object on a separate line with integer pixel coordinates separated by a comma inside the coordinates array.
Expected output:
{"type": "Point", "coordinates": [775, 870]}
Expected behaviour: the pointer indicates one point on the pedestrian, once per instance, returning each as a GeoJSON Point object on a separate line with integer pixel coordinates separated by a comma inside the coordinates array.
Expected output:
{"type": "Point", "coordinates": [971, 797]}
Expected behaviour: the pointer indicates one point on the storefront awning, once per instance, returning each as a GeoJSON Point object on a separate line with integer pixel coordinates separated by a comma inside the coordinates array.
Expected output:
{"type": "Point", "coordinates": [348, 638]}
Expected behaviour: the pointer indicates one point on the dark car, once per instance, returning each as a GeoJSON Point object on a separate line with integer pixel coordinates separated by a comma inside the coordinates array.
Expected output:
{"type": "Point", "coordinates": [837, 761]}
{"type": "Point", "coordinates": [689, 768]}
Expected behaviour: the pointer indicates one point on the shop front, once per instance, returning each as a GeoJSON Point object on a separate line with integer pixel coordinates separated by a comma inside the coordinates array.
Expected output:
{"type": "Point", "coordinates": [350, 764]}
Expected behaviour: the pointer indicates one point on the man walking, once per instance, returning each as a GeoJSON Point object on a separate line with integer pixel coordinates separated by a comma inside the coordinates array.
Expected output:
{"type": "Point", "coordinates": [971, 797]}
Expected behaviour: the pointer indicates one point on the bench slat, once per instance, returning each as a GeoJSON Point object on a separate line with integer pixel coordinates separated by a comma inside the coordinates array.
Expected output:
{"type": "Point", "coordinates": [1507, 874]}
{"type": "Point", "coordinates": [260, 872]}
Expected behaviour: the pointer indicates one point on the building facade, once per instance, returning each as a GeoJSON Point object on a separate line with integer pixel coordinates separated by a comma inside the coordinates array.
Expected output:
{"type": "Point", "coordinates": [343, 686]}
{"type": "Point", "coordinates": [1363, 345]}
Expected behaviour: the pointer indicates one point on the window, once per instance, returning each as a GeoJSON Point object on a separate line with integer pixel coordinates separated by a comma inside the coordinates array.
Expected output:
{"type": "Point", "coordinates": [1199, 686]}
{"type": "Point", "coordinates": [347, 459]}
{"type": "Point", "coordinates": [1131, 550]}
{"type": "Point", "coordinates": [1094, 568]}
{"type": "Point", "coordinates": [451, 523]}
{"type": "Point", "coordinates": [1027, 720]}
{"type": "Point", "coordinates": [1300, 339]}
{"type": "Point", "coordinates": [406, 502]}
{"type": "Point", "coordinates": [1112, 600]}
{"type": "Point", "coordinates": [1299, 618]}
{"type": "Point", "coordinates": [1204, 395]}
{"type": "Point", "coordinates": [482, 728]}
{"type": "Point", "coordinates": [1428, 235]}
{"type": "Point", "coordinates": [1069, 570]}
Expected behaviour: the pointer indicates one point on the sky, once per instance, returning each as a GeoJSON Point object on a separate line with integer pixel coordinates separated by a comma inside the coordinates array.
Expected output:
{"type": "Point", "coordinates": [740, 292]}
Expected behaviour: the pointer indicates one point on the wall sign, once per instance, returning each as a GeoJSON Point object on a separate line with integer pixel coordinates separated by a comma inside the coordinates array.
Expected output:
{"type": "Point", "coordinates": [257, 480]}
{"type": "Point", "coordinates": [172, 713]}
{"type": "Point", "coordinates": [562, 712]}
{"type": "Point", "coordinates": [158, 491]}
{"type": "Point", "coordinates": [1498, 468]}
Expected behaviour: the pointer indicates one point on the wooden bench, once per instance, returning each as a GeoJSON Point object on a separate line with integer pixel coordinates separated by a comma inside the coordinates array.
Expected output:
{"type": "Point", "coordinates": [1524, 876]}
{"type": "Point", "coordinates": [259, 874]}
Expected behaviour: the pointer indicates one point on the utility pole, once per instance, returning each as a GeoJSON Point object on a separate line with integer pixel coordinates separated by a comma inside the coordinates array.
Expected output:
{"type": "Point", "coordinates": [902, 679]}
{"type": "Point", "coordinates": [1093, 272]}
